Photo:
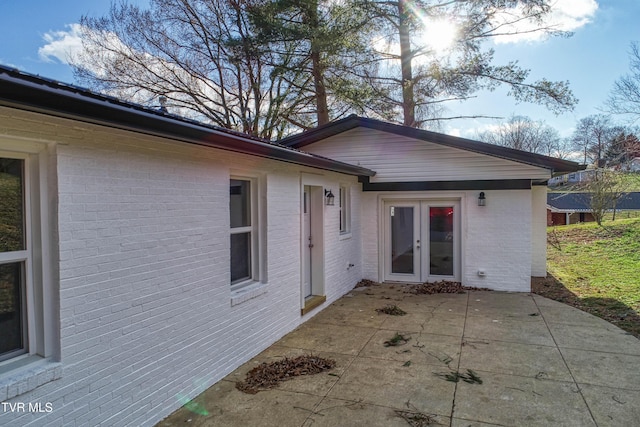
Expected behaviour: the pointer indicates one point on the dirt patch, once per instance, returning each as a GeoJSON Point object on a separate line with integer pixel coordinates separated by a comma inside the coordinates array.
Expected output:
{"type": "Point", "coordinates": [441, 287]}
{"type": "Point", "coordinates": [551, 288]}
{"type": "Point", "coordinates": [269, 375]}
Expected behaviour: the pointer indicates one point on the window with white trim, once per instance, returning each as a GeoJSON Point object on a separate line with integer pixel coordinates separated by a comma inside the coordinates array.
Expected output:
{"type": "Point", "coordinates": [15, 258]}
{"type": "Point", "coordinates": [345, 214]}
{"type": "Point", "coordinates": [29, 314]}
{"type": "Point", "coordinates": [244, 236]}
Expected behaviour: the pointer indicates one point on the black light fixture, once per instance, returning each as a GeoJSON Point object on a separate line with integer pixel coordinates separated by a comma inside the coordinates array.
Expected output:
{"type": "Point", "coordinates": [482, 201]}
{"type": "Point", "coordinates": [329, 197]}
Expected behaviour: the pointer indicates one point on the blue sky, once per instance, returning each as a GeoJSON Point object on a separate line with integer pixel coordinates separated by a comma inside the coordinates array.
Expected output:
{"type": "Point", "coordinates": [34, 33]}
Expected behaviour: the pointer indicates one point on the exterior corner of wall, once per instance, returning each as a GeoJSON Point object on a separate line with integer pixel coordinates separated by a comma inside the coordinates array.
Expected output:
{"type": "Point", "coordinates": [539, 231]}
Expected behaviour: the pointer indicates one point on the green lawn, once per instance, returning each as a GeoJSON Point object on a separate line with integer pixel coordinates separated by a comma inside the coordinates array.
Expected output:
{"type": "Point", "coordinates": [597, 269]}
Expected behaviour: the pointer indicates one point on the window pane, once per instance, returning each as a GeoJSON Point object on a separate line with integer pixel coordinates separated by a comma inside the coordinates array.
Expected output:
{"type": "Point", "coordinates": [441, 241]}
{"type": "Point", "coordinates": [402, 240]}
{"type": "Point", "coordinates": [240, 203]}
{"type": "Point", "coordinates": [11, 308]}
{"type": "Point", "coordinates": [11, 205]}
{"type": "Point", "coordinates": [240, 257]}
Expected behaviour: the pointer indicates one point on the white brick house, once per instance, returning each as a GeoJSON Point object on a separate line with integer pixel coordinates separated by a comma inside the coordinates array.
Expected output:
{"type": "Point", "coordinates": [143, 257]}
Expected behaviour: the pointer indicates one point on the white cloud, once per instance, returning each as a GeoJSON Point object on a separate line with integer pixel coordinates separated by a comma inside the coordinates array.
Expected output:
{"type": "Point", "coordinates": [61, 45]}
{"type": "Point", "coordinates": [565, 15]}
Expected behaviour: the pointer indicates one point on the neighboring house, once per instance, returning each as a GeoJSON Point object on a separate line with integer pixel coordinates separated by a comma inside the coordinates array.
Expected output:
{"type": "Point", "coordinates": [147, 256]}
{"type": "Point", "coordinates": [577, 177]}
{"type": "Point", "coordinates": [572, 208]}
{"type": "Point", "coordinates": [568, 208]}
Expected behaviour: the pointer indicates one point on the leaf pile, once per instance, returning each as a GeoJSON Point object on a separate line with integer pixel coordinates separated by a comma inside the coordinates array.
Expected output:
{"type": "Point", "coordinates": [392, 310]}
{"type": "Point", "coordinates": [269, 375]}
{"type": "Point", "coordinates": [442, 287]}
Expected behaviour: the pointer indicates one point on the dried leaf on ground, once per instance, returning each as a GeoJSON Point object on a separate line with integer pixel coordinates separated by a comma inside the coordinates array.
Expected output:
{"type": "Point", "coordinates": [269, 375]}
{"type": "Point", "coordinates": [417, 419]}
{"type": "Point", "coordinates": [365, 283]}
{"type": "Point", "coordinates": [392, 310]}
{"type": "Point", "coordinates": [469, 377]}
{"type": "Point", "coordinates": [398, 339]}
{"type": "Point", "coordinates": [442, 287]}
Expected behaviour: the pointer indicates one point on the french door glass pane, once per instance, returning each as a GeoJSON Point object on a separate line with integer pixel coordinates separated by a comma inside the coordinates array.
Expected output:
{"type": "Point", "coordinates": [11, 205]}
{"type": "Point", "coordinates": [240, 203]}
{"type": "Point", "coordinates": [240, 257]}
{"type": "Point", "coordinates": [441, 241]}
{"type": "Point", "coordinates": [12, 325]}
{"type": "Point", "coordinates": [402, 240]}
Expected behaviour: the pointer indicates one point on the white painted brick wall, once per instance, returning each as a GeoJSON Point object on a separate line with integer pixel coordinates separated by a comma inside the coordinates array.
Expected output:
{"type": "Point", "coordinates": [496, 237]}
{"type": "Point", "coordinates": [370, 236]}
{"type": "Point", "coordinates": [498, 240]}
{"type": "Point", "coordinates": [145, 309]}
{"type": "Point", "coordinates": [341, 250]}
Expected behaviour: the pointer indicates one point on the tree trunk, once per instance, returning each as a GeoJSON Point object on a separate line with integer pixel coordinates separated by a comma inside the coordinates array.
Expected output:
{"type": "Point", "coordinates": [320, 89]}
{"type": "Point", "coordinates": [318, 69]}
{"type": "Point", "coordinates": [408, 101]}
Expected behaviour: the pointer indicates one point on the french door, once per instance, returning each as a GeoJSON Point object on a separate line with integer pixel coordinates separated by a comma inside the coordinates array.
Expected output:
{"type": "Point", "coordinates": [421, 241]}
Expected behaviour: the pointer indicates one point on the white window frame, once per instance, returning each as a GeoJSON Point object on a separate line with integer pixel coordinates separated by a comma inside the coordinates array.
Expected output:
{"type": "Point", "coordinates": [39, 363]}
{"type": "Point", "coordinates": [24, 257]}
{"type": "Point", "coordinates": [255, 230]}
{"type": "Point", "coordinates": [344, 202]}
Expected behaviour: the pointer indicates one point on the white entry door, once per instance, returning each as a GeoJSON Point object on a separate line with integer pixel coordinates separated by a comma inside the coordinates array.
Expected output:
{"type": "Point", "coordinates": [312, 242]}
{"type": "Point", "coordinates": [307, 243]}
{"type": "Point", "coordinates": [421, 241]}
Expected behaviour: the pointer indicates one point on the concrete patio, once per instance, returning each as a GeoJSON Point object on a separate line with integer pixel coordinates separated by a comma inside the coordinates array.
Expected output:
{"type": "Point", "coordinates": [541, 363]}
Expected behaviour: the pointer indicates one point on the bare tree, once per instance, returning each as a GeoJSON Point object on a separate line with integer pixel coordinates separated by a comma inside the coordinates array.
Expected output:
{"type": "Point", "coordinates": [523, 133]}
{"type": "Point", "coordinates": [199, 55]}
{"type": "Point", "coordinates": [625, 95]}
{"type": "Point", "coordinates": [592, 136]}
{"type": "Point", "coordinates": [211, 61]}
{"type": "Point", "coordinates": [605, 188]}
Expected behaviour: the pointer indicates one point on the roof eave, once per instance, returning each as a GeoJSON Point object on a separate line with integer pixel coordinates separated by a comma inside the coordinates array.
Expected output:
{"type": "Point", "coordinates": [32, 94]}
{"type": "Point", "coordinates": [556, 166]}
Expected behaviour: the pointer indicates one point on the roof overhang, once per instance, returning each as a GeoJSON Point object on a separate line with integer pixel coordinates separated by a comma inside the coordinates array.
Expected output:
{"type": "Point", "coordinates": [556, 166]}
{"type": "Point", "coordinates": [31, 93]}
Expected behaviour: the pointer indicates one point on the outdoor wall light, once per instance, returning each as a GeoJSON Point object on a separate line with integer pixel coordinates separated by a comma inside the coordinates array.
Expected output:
{"type": "Point", "coordinates": [482, 201]}
{"type": "Point", "coordinates": [329, 197]}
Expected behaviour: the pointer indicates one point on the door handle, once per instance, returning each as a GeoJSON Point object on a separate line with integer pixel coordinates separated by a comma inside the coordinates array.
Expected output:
{"type": "Point", "coordinates": [310, 245]}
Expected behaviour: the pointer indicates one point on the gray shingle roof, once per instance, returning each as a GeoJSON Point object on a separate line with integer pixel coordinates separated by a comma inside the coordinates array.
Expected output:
{"type": "Point", "coordinates": [579, 202]}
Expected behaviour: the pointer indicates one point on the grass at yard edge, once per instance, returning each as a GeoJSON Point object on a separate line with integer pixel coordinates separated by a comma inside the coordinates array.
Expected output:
{"type": "Point", "coordinates": [596, 270]}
